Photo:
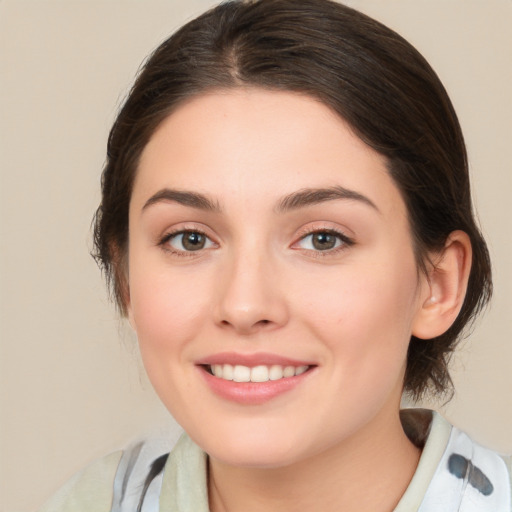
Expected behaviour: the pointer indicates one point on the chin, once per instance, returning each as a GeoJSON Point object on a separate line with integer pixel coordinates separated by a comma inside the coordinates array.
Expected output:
{"type": "Point", "coordinates": [241, 450]}
{"type": "Point", "coordinates": [253, 458]}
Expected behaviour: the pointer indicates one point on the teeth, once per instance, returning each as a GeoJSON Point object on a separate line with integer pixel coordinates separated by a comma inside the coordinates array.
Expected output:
{"type": "Point", "coordinates": [276, 372]}
{"type": "Point", "coordinates": [227, 372]}
{"type": "Point", "coordinates": [259, 374]}
{"type": "Point", "coordinates": [289, 371]}
{"type": "Point", "coordinates": [240, 373]}
{"type": "Point", "coordinates": [217, 370]}
{"type": "Point", "coordinates": [300, 370]}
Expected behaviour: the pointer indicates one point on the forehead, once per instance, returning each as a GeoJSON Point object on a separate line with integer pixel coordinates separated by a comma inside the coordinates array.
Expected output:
{"type": "Point", "coordinates": [251, 143]}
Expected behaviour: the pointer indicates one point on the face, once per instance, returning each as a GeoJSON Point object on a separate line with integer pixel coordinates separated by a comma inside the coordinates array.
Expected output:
{"type": "Point", "coordinates": [272, 280]}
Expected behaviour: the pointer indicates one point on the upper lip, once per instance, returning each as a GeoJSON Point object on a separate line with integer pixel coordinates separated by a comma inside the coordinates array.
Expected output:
{"type": "Point", "coordinates": [251, 360]}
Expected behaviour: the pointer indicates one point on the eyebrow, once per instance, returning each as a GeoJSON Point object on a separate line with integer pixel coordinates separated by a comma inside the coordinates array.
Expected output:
{"type": "Point", "coordinates": [186, 198]}
{"type": "Point", "coordinates": [312, 196]}
{"type": "Point", "coordinates": [300, 199]}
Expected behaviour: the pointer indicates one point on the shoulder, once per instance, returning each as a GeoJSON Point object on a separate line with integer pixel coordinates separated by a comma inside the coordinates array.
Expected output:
{"type": "Point", "coordinates": [478, 475]}
{"type": "Point", "coordinates": [90, 489]}
{"type": "Point", "coordinates": [112, 483]}
{"type": "Point", "coordinates": [456, 473]}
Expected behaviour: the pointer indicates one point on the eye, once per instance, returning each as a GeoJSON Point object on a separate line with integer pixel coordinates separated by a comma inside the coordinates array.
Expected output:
{"type": "Point", "coordinates": [188, 241]}
{"type": "Point", "coordinates": [325, 240]}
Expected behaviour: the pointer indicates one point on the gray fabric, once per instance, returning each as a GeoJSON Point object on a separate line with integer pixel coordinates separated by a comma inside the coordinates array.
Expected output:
{"type": "Point", "coordinates": [134, 466]}
{"type": "Point", "coordinates": [124, 472]}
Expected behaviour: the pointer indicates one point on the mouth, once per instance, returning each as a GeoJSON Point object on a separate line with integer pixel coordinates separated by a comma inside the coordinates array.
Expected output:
{"type": "Point", "coordinates": [253, 379]}
{"type": "Point", "coordinates": [259, 374]}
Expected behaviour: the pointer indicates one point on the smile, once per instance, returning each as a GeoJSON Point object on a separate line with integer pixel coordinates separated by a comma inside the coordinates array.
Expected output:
{"type": "Point", "coordinates": [261, 373]}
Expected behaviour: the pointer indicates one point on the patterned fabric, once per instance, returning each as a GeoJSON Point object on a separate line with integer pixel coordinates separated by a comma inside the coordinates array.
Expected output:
{"type": "Point", "coordinates": [469, 478]}
{"type": "Point", "coordinates": [465, 477]}
{"type": "Point", "coordinates": [133, 490]}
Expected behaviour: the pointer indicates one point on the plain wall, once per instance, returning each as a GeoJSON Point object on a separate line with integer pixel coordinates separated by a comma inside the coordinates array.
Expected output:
{"type": "Point", "coordinates": [72, 387]}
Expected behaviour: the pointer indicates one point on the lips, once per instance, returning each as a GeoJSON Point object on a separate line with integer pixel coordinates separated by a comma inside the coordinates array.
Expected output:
{"type": "Point", "coordinates": [252, 379]}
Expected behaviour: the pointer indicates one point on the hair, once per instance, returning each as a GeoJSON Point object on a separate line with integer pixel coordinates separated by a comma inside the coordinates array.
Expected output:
{"type": "Point", "coordinates": [366, 73]}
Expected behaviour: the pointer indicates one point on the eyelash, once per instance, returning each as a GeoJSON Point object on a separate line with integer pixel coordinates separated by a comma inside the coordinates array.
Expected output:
{"type": "Point", "coordinates": [344, 240]}
{"type": "Point", "coordinates": [164, 242]}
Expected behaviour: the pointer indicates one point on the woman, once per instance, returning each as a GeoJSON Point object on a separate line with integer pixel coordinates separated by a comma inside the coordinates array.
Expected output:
{"type": "Point", "coordinates": [286, 221]}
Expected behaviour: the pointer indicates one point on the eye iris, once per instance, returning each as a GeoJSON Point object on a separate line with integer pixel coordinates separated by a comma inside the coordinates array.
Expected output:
{"type": "Point", "coordinates": [324, 241]}
{"type": "Point", "coordinates": [193, 241]}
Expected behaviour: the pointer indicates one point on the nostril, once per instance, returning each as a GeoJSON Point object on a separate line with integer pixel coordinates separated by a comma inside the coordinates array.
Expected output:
{"type": "Point", "coordinates": [243, 326]}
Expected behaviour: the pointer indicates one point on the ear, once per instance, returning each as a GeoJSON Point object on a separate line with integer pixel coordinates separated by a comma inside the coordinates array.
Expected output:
{"type": "Point", "coordinates": [444, 289]}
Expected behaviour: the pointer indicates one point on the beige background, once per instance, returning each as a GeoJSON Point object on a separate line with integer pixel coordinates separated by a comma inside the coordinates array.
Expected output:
{"type": "Point", "coordinates": [71, 385]}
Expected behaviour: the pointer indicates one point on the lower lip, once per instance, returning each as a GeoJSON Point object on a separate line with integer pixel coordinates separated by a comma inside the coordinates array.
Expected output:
{"type": "Point", "coordinates": [251, 393]}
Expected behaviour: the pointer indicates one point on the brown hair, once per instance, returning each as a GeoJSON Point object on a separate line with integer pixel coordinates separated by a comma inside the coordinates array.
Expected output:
{"type": "Point", "coordinates": [365, 72]}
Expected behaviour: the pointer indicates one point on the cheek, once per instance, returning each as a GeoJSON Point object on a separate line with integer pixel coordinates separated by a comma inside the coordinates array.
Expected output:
{"type": "Point", "coordinates": [366, 313]}
{"type": "Point", "coordinates": [165, 307]}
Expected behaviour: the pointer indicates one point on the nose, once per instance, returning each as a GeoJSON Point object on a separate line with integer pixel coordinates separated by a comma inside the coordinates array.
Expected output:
{"type": "Point", "coordinates": [250, 296]}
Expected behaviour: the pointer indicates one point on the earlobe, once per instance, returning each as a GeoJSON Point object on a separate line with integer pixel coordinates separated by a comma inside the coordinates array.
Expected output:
{"type": "Point", "coordinates": [445, 287]}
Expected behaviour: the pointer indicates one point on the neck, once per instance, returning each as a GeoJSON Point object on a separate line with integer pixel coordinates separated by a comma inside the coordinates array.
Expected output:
{"type": "Point", "coordinates": [367, 473]}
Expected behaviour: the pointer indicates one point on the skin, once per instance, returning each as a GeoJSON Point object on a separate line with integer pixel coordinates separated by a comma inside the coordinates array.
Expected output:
{"type": "Point", "coordinates": [260, 285]}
